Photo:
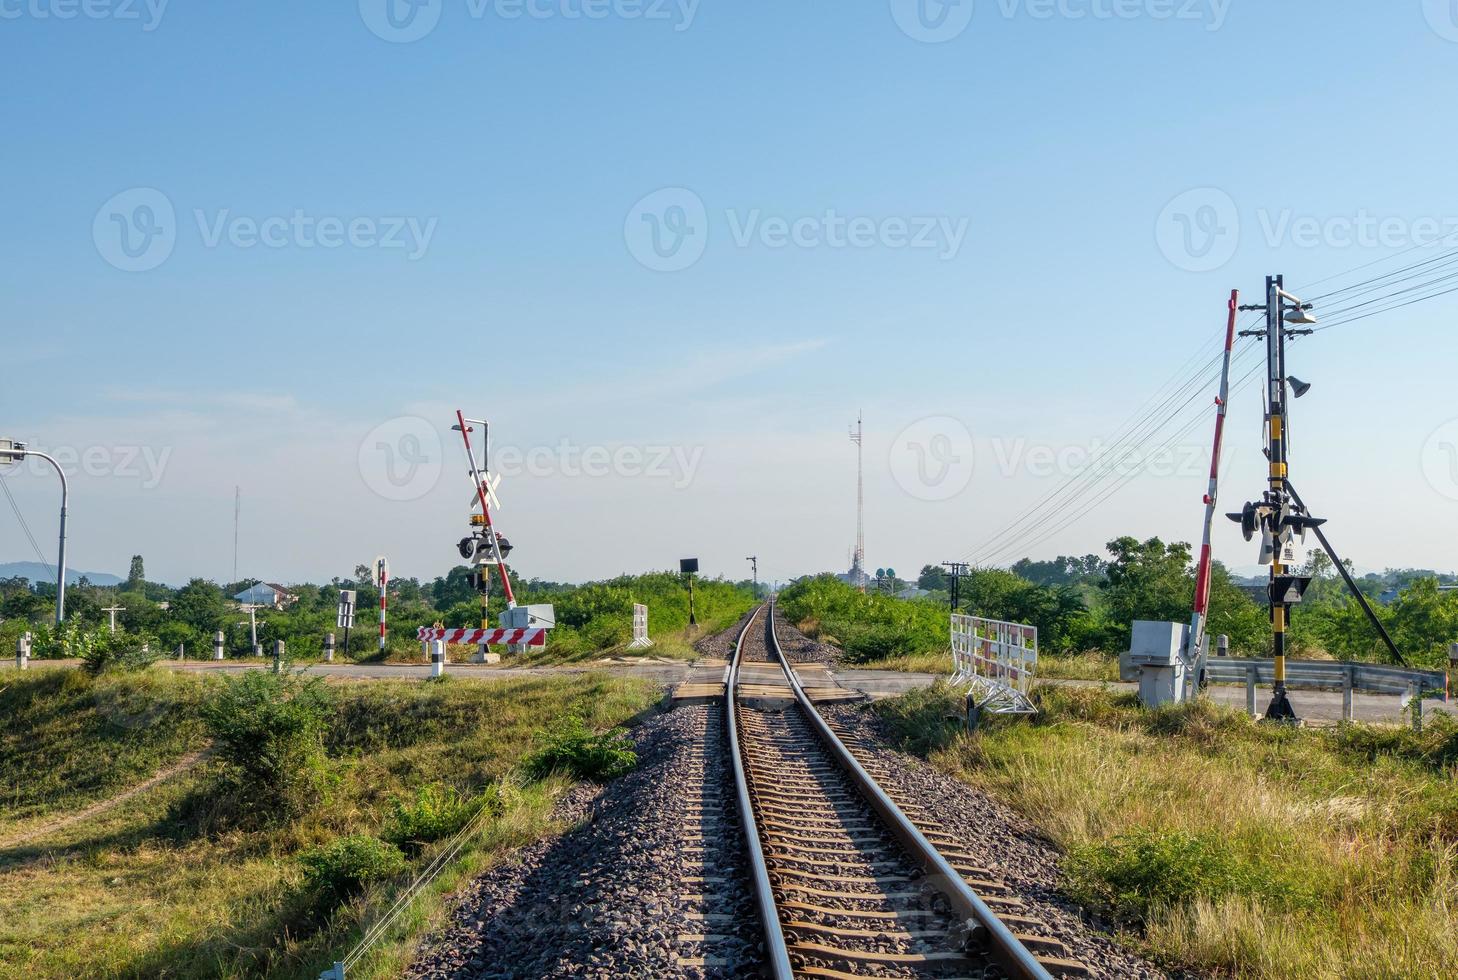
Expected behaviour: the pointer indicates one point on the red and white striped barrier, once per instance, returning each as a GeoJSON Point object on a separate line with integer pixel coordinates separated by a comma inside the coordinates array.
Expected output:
{"type": "Point", "coordinates": [526, 637]}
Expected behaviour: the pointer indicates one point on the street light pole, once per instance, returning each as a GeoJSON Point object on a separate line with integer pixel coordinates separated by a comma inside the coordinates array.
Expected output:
{"type": "Point", "coordinates": [14, 452]}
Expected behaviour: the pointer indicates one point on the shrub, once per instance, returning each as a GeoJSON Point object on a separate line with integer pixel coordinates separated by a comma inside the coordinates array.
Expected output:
{"type": "Point", "coordinates": [1133, 876]}
{"type": "Point", "coordinates": [573, 749]}
{"type": "Point", "coordinates": [269, 728]}
{"type": "Point", "coordinates": [66, 640]}
{"type": "Point", "coordinates": [924, 720]}
{"type": "Point", "coordinates": [117, 651]}
{"type": "Point", "coordinates": [348, 865]}
{"type": "Point", "coordinates": [436, 812]}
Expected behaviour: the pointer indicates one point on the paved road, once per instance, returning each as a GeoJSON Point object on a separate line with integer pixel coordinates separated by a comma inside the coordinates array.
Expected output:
{"type": "Point", "coordinates": [1318, 707]}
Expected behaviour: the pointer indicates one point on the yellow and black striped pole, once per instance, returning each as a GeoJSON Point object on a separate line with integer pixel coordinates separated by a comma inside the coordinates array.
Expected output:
{"type": "Point", "coordinates": [1280, 707]}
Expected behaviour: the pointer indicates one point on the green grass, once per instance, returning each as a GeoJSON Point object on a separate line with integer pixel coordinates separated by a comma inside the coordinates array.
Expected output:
{"type": "Point", "coordinates": [1091, 665]}
{"type": "Point", "coordinates": [1218, 844]}
{"type": "Point", "coordinates": [69, 740]}
{"type": "Point", "coordinates": [140, 891]}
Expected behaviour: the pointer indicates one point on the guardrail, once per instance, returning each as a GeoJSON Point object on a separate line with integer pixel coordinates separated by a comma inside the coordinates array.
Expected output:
{"type": "Point", "coordinates": [1330, 675]}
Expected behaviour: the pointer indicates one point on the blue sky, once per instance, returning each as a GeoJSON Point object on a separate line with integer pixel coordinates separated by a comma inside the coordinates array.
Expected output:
{"type": "Point", "coordinates": [485, 184]}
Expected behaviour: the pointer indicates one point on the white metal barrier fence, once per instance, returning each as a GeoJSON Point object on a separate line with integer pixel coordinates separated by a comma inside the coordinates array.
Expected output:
{"type": "Point", "coordinates": [997, 661]}
{"type": "Point", "coordinates": [640, 627]}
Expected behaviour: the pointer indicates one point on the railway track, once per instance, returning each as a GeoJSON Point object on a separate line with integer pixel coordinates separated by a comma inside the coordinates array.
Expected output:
{"type": "Point", "coordinates": [848, 883]}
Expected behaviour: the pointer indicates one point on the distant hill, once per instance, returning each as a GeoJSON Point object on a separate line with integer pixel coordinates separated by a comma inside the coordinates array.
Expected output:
{"type": "Point", "coordinates": [37, 572]}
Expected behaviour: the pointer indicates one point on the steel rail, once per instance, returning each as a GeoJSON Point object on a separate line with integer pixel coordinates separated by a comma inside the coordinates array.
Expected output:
{"type": "Point", "coordinates": [775, 948]}
{"type": "Point", "coordinates": [1003, 947]}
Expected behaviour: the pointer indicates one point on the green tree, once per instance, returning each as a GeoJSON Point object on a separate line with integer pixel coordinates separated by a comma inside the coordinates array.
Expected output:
{"type": "Point", "coordinates": [1146, 580]}
{"type": "Point", "coordinates": [199, 604]}
{"type": "Point", "coordinates": [933, 578]}
{"type": "Point", "coordinates": [136, 576]}
{"type": "Point", "coordinates": [1425, 622]}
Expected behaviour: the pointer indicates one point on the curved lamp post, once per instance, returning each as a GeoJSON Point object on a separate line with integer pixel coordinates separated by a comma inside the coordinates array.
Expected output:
{"type": "Point", "coordinates": [14, 452]}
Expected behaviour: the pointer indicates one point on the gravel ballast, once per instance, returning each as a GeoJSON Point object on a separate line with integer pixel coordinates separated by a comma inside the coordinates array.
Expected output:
{"type": "Point", "coordinates": [1004, 841]}
{"type": "Point", "coordinates": [613, 897]}
{"type": "Point", "coordinates": [801, 649]}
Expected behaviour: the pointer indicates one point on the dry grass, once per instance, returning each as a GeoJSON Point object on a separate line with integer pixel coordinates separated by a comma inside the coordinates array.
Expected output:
{"type": "Point", "coordinates": [141, 892]}
{"type": "Point", "coordinates": [1327, 859]}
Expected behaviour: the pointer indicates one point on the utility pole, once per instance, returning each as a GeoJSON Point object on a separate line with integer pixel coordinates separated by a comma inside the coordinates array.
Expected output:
{"type": "Point", "coordinates": [754, 565]}
{"type": "Point", "coordinates": [251, 609]}
{"type": "Point", "coordinates": [1281, 513]}
{"type": "Point", "coordinates": [1274, 515]}
{"type": "Point", "coordinates": [956, 569]}
{"type": "Point", "coordinates": [112, 611]}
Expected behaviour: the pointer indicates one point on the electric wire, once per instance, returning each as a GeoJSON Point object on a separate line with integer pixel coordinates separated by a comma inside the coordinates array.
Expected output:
{"type": "Point", "coordinates": [25, 526]}
{"type": "Point", "coordinates": [1130, 428]}
{"type": "Point", "coordinates": [428, 874]}
{"type": "Point", "coordinates": [1120, 433]}
{"type": "Point", "coordinates": [1124, 480]}
{"type": "Point", "coordinates": [1137, 433]}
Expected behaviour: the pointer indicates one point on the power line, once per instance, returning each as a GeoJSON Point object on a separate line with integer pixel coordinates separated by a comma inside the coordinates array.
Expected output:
{"type": "Point", "coordinates": [24, 526]}
{"type": "Point", "coordinates": [1368, 265]}
{"type": "Point", "coordinates": [1131, 428]}
{"type": "Point", "coordinates": [1068, 520]}
{"type": "Point", "coordinates": [1137, 432]}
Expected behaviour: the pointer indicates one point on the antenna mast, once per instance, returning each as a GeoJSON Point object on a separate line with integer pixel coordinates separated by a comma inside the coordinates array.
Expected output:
{"type": "Point", "coordinates": [237, 506]}
{"type": "Point", "coordinates": [858, 558]}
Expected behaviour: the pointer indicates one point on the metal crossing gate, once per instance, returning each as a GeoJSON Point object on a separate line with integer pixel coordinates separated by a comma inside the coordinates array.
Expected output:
{"type": "Point", "coordinates": [496, 637]}
{"type": "Point", "coordinates": [997, 662]}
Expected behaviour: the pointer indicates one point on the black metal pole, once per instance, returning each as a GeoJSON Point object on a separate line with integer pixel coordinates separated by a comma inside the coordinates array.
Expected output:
{"type": "Point", "coordinates": [1280, 707]}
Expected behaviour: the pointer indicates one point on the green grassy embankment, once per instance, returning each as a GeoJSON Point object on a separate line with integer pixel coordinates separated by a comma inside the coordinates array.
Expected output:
{"type": "Point", "coordinates": [161, 886]}
{"type": "Point", "coordinates": [1218, 844]}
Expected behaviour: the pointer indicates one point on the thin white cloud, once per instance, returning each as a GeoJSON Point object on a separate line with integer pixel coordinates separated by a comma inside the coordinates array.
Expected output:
{"type": "Point", "coordinates": [246, 401]}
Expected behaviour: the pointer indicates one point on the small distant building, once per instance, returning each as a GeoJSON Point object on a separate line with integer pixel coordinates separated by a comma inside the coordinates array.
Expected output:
{"type": "Point", "coordinates": [912, 593]}
{"type": "Point", "coordinates": [266, 594]}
